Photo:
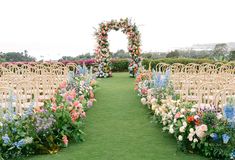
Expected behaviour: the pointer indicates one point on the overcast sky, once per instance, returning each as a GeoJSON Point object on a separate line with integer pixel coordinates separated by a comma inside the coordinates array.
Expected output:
{"type": "Point", "coordinates": [52, 28]}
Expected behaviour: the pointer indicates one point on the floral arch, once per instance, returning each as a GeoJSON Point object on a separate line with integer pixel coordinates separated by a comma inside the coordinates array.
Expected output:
{"type": "Point", "coordinates": [103, 55]}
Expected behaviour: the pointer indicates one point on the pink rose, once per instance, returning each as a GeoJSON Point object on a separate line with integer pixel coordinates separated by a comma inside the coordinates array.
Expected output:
{"type": "Point", "coordinates": [177, 115]}
{"type": "Point", "coordinates": [53, 108]}
{"type": "Point", "coordinates": [63, 84]}
{"type": "Point", "coordinates": [65, 140]}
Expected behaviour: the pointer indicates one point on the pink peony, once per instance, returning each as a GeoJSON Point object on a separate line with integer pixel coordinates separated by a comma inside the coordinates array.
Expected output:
{"type": "Point", "coordinates": [76, 104]}
{"type": "Point", "coordinates": [74, 115]}
{"type": "Point", "coordinates": [177, 115]}
{"type": "Point", "coordinates": [73, 93]}
{"type": "Point", "coordinates": [53, 108]}
{"type": "Point", "coordinates": [201, 131]}
{"type": "Point", "coordinates": [81, 98]}
{"type": "Point", "coordinates": [89, 103]}
{"type": "Point", "coordinates": [91, 94]}
{"type": "Point", "coordinates": [65, 140]}
{"type": "Point", "coordinates": [63, 84]}
{"type": "Point", "coordinates": [83, 114]}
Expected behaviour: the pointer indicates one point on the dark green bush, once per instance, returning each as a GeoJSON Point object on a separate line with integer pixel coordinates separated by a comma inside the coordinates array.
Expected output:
{"type": "Point", "coordinates": [120, 65]}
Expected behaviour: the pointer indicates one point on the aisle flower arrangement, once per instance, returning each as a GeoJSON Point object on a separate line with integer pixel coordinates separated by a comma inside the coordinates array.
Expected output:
{"type": "Point", "coordinates": [54, 125]}
{"type": "Point", "coordinates": [197, 129]}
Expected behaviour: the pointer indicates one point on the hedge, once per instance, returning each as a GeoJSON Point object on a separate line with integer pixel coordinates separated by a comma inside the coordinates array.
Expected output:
{"type": "Point", "coordinates": [121, 65]}
{"type": "Point", "coordinates": [154, 62]}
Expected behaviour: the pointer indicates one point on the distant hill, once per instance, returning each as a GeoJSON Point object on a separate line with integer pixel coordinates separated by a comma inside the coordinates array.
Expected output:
{"type": "Point", "coordinates": [211, 46]}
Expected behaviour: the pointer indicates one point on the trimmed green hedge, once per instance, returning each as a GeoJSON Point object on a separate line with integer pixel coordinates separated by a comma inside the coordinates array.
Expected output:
{"type": "Point", "coordinates": [121, 65]}
{"type": "Point", "coordinates": [154, 62]}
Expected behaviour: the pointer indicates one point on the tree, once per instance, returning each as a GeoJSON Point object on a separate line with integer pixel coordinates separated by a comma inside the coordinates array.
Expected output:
{"type": "Point", "coordinates": [221, 49]}
{"type": "Point", "coordinates": [173, 54]}
{"type": "Point", "coordinates": [232, 56]}
{"type": "Point", "coordinates": [17, 57]}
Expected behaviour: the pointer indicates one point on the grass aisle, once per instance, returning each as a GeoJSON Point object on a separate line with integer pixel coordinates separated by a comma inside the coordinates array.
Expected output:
{"type": "Point", "coordinates": [118, 128]}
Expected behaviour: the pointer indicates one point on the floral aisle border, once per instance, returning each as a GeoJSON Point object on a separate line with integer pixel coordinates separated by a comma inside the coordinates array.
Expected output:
{"type": "Point", "coordinates": [102, 52]}
{"type": "Point", "coordinates": [198, 129]}
{"type": "Point", "coordinates": [47, 128]}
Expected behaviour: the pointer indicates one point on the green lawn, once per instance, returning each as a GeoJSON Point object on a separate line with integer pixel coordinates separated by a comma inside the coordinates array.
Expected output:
{"type": "Point", "coordinates": [118, 128]}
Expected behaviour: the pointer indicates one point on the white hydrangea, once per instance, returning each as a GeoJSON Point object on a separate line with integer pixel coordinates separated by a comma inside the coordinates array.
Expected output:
{"type": "Point", "coordinates": [180, 138]}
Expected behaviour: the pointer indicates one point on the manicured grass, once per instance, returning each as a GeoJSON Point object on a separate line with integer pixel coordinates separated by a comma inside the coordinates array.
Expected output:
{"type": "Point", "coordinates": [118, 128]}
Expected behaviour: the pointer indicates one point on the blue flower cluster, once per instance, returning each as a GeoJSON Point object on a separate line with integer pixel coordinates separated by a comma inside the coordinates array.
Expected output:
{"type": "Point", "coordinates": [225, 137]}
{"type": "Point", "coordinates": [6, 139]}
{"type": "Point", "coordinates": [19, 144]}
{"type": "Point", "coordinates": [160, 81]}
{"type": "Point", "coordinates": [81, 70]}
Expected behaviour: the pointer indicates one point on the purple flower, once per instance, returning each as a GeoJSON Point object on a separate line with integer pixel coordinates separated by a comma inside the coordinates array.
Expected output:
{"type": "Point", "coordinates": [225, 138]}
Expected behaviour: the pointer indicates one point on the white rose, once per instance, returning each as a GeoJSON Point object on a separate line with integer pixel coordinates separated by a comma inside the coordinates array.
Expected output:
{"type": "Point", "coordinates": [180, 138]}
{"type": "Point", "coordinates": [171, 131]}
{"type": "Point", "coordinates": [219, 116]}
{"type": "Point", "coordinates": [185, 124]}
{"type": "Point", "coordinates": [193, 110]}
{"type": "Point", "coordinates": [190, 137]}
{"type": "Point", "coordinates": [191, 130]}
{"type": "Point", "coordinates": [182, 110]}
{"type": "Point", "coordinates": [182, 129]}
{"type": "Point", "coordinates": [153, 101]}
{"type": "Point", "coordinates": [154, 107]}
{"type": "Point", "coordinates": [143, 101]}
{"type": "Point", "coordinates": [195, 140]}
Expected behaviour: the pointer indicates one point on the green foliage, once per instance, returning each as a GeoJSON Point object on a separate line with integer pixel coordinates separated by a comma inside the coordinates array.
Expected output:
{"type": "Point", "coordinates": [16, 57]}
{"type": "Point", "coordinates": [154, 62]}
{"type": "Point", "coordinates": [120, 65]}
{"type": "Point", "coordinates": [232, 56]}
{"type": "Point", "coordinates": [173, 54]}
{"type": "Point", "coordinates": [220, 49]}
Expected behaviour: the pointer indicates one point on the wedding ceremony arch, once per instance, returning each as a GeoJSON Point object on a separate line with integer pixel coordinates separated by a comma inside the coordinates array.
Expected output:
{"type": "Point", "coordinates": [103, 55]}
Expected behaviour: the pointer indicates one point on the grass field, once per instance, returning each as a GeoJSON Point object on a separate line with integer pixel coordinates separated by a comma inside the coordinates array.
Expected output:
{"type": "Point", "coordinates": [118, 128]}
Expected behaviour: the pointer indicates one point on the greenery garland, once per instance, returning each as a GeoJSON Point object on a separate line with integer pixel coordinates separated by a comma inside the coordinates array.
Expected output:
{"type": "Point", "coordinates": [103, 55]}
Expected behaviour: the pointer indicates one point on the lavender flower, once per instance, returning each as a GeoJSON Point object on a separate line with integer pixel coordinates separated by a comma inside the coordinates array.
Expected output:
{"type": "Point", "coordinates": [44, 123]}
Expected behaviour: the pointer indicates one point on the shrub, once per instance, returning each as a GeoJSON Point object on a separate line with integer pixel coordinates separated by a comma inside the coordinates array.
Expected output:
{"type": "Point", "coordinates": [120, 65]}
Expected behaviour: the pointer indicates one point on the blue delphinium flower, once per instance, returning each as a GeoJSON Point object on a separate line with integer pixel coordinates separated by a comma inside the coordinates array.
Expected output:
{"type": "Point", "coordinates": [19, 144]}
{"type": "Point", "coordinates": [214, 136]}
{"type": "Point", "coordinates": [225, 138]}
{"type": "Point", "coordinates": [6, 139]}
{"type": "Point", "coordinates": [165, 79]}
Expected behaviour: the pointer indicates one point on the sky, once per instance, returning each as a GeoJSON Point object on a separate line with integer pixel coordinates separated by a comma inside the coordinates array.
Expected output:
{"type": "Point", "coordinates": [50, 29]}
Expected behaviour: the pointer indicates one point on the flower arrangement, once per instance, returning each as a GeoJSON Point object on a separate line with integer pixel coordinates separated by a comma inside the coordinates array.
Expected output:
{"type": "Point", "coordinates": [102, 51]}
{"type": "Point", "coordinates": [197, 129]}
{"type": "Point", "coordinates": [47, 128]}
